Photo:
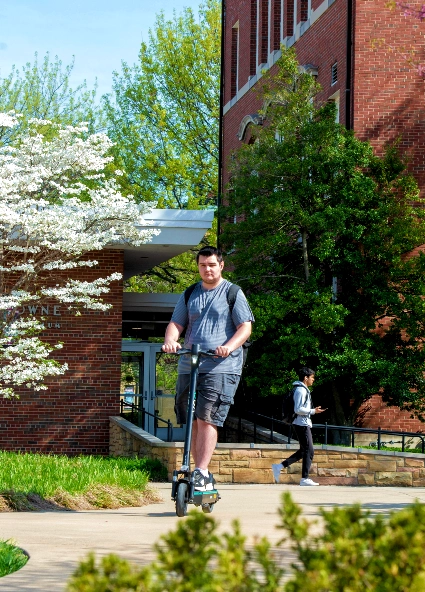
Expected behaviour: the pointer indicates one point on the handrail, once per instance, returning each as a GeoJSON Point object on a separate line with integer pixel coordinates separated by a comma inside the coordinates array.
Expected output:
{"type": "Point", "coordinates": [141, 418]}
{"type": "Point", "coordinates": [330, 427]}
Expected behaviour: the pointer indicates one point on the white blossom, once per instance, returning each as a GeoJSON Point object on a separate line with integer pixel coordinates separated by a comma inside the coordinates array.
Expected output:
{"type": "Point", "coordinates": [56, 205]}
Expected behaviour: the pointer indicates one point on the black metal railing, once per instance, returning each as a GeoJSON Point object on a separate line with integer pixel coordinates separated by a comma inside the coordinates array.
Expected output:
{"type": "Point", "coordinates": [137, 415]}
{"type": "Point", "coordinates": [272, 425]}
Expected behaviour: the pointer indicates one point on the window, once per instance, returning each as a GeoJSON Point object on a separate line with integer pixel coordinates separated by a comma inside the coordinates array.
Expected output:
{"type": "Point", "coordinates": [304, 10]}
{"type": "Point", "coordinates": [253, 39]}
{"type": "Point", "coordinates": [264, 45]}
{"type": "Point", "coordinates": [289, 18]}
{"type": "Point", "coordinates": [277, 17]}
{"type": "Point", "coordinates": [234, 62]}
{"type": "Point", "coordinates": [334, 73]}
{"type": "Point", "coordinates": [336, 99]}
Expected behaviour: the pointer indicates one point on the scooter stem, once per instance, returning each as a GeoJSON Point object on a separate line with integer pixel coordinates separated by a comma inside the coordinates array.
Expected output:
{"type": "Point", "coordinates": [194, 367]}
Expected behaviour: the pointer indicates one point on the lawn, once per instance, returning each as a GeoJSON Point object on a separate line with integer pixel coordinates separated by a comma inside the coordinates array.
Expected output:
{"type": "Point", "coordinates": [36, 481]}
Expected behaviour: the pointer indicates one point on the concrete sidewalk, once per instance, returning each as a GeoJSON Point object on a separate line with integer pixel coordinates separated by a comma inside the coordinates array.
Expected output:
{"type": "Point", "coordinates": [56, 541]}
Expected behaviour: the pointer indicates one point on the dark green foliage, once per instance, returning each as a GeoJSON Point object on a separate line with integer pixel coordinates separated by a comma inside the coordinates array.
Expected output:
{"type": "Point", "coordinates": [353, 552]}
{"type": "Point", "coordinates": [357, 552]}
{"type": "Point", "coordinates": [323, 229]}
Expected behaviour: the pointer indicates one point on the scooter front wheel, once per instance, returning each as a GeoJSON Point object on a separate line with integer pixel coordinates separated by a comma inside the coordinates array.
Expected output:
{"type": "Point", "coordinates": [181, 500]}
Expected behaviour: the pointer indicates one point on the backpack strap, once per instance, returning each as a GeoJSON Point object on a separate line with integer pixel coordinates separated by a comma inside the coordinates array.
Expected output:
{"type": "Point", "coordinates": [188, 292]}
{"type": "Point", "coordinates": [231, 294]}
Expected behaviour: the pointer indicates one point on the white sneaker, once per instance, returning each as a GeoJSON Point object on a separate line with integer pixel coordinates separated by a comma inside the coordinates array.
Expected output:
{"type": "Point", "coordinates": [276, 471]}
{"type": "Point", "coordinates": [308, 482]}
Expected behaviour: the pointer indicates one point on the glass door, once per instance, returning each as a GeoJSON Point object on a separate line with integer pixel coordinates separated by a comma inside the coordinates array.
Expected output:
{"type": "Point", "coordinates": [152, 375]}
{"type": "Point", "coordinates": [164, 375]}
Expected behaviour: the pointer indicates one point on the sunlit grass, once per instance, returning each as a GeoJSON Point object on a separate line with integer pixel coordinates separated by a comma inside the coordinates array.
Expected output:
{"type": "Point", "coordinates": [60, 478]}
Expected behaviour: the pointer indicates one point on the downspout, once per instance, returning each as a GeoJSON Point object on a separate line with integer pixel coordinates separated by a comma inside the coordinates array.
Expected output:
{"type": "Point", "coordinates": [220, 123]}
{"type": "Point", "coordinates": [349, 66]}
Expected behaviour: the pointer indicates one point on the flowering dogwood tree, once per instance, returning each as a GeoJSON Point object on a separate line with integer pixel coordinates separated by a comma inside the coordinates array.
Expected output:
{"type": "Point", "coordinates": [56, 205]}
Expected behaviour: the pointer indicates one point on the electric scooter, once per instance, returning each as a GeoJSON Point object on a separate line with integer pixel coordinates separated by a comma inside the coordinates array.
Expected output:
{"type": "Point", "coordinates": [183, 487]}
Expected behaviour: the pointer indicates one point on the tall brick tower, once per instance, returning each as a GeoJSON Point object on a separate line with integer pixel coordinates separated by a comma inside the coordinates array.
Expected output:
{"type": "Point", "coordinates": [358, 49]}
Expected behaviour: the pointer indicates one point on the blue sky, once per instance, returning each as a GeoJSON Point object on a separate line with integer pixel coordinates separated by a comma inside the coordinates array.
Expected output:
{"type": "Point", "coordinates": [99, 33]}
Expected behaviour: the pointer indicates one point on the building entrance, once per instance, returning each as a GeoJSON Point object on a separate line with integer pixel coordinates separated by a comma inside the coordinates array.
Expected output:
{"type": "Point", "coordinates": [148, 379]}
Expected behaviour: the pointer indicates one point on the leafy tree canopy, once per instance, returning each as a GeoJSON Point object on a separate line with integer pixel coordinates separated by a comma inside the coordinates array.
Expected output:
{"type": "Point", "coordinates": [41, 90]}
{"type": "Point", "coordinates": [323, 230]}
{"type": "Point", "coordinates": [163, 114]}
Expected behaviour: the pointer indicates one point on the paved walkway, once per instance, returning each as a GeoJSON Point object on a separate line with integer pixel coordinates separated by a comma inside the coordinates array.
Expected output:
{"type": "Point", "coordinates": [56, 541]}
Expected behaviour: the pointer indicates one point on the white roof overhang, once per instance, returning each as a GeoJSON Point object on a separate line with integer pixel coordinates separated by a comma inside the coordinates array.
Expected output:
{"type": "Point", "coordinates": [180, 230]}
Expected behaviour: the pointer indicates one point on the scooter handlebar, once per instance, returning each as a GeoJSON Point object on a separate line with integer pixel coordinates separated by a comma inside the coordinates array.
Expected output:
{"type": "Point", "coordinates": [202, 352]}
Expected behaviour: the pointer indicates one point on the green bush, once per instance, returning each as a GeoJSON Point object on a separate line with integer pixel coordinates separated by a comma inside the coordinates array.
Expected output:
{"type": "Point", "coordinates": [12, 558]}
{"type": "Point", "coordinates": [353, 552]}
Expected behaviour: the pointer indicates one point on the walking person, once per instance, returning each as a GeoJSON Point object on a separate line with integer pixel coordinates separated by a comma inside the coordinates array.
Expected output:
{"type": "Point", "coordinates": [302, 424]}
{"type": "Point", "coordinates": [215, 324]}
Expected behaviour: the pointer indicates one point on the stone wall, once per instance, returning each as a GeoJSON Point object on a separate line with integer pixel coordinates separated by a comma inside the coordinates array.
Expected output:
{"type": "Point", "coordinates": [251, 463]}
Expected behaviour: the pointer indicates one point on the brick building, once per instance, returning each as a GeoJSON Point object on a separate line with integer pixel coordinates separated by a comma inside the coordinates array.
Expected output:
{"type": "Point", "coordinates": [359, 51]}
{"type": "Point", "coordinates": [363, 55]}
{"type": "Point", "coordinates": [72, 416]}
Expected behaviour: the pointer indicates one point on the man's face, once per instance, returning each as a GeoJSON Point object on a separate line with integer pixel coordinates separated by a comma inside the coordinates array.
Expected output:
{"type": "Point", "coordinates": [210, 269]}
{"type": "Point", "coordinates": [309, 380]}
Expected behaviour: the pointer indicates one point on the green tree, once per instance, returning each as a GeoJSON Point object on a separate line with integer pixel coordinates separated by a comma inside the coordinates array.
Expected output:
{"type": "Point", "coordinates": [41, 90]}
{"type": "Point", "coordinates": [164, 110]}
{"type": "Point", "coordinates": [320, 248]}
{"type": "Point", "coordinates": [163, 117]}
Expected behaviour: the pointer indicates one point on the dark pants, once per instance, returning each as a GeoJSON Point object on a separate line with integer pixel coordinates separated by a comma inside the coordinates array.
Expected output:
{"type": "Point", "coordinates": [306, 451]}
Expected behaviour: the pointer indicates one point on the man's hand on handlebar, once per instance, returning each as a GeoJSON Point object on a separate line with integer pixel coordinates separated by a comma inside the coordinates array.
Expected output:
{"type": "Point", "coordinates": [223, 351]}
{"type": "Point", "coordinates": [170, 347]}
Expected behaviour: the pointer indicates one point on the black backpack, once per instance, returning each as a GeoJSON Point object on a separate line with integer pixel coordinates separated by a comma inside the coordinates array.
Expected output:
{"type": "Point", "coordinates": [288, 413]}
{"type": "Point", "coordinates": [231, 299]}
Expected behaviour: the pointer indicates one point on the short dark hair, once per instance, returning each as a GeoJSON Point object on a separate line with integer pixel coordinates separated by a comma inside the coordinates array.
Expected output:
{"type": "Point", "coordinates": [208, 252]}
{"type": "Point", "coordinates": [304, 371]}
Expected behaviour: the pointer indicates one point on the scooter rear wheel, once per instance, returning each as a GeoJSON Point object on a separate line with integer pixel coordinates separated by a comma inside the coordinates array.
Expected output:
{"type": "Point", "coordinates": [181, 500]}
{"type": "Point", "coordinates": [207, 508]}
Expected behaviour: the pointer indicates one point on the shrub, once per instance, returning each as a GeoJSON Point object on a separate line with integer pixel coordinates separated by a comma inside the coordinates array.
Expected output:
{"type": "Point", "coordinates": [353, 552]}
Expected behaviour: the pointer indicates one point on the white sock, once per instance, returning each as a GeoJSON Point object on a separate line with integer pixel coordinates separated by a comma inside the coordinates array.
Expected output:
{"type": "Point", "coordinates": [203, 471]}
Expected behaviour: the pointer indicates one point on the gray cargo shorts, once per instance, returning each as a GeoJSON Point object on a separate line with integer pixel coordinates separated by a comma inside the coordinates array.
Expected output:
{"type": "Point", "coordinates": [214, 395]}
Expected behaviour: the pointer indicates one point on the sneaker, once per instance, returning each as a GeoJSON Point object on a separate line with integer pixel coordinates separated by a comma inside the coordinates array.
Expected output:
{"type": "Point", "coordinates": [308, 482]}
{"type": "Point", "coordinates": [201, 482]}
{"type": "Point", "coordinates": [276, 471]}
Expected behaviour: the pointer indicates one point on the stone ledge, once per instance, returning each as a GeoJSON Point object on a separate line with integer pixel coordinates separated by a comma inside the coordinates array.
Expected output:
{"type": "Point", "coordinates": [251, 463]}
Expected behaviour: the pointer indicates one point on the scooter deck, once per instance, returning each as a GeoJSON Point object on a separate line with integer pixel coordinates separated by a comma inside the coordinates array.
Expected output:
{"type": "Point", "coordinates": [205, 497]}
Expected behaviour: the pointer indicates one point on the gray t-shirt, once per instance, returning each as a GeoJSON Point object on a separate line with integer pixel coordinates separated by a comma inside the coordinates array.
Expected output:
{"type": "Point", "coordinates": [209, 322]}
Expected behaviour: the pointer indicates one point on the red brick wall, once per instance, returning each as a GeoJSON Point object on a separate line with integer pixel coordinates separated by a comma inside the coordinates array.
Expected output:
{"type": "Point", "coordinates": [388, 93]}
{"type": "Point", "coordinates": [72, 416]}
{"type": "Point", "coordinates": [313, 47]}
{"type": "Point", "coordinates": [374, 413]}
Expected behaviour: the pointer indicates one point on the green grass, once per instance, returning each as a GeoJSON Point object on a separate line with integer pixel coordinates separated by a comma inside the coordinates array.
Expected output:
{"type": "Point", "coordinates": [60, 478]}
{"type": "Point", "coordinates": [12, 558]}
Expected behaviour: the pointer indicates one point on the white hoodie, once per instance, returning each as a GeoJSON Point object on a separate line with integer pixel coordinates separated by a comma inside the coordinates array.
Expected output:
{"type": "Point", "coordinates": [302, 404]}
